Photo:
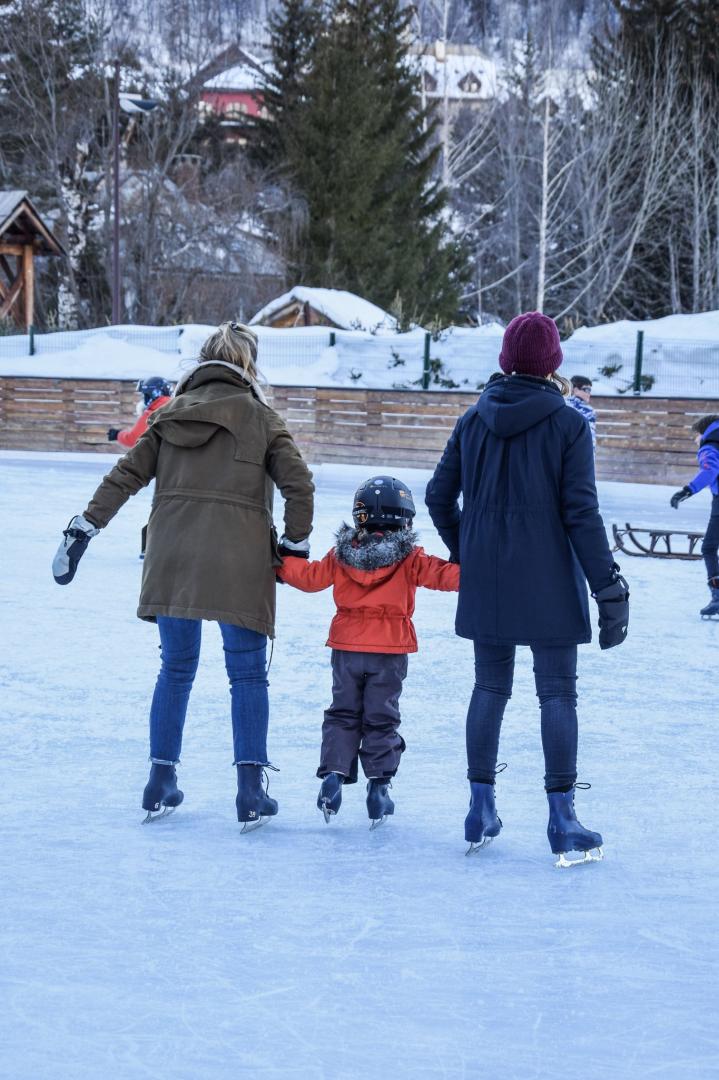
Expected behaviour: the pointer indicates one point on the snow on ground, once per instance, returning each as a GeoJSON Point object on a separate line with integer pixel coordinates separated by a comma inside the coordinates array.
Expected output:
{"type": "Point", "coordinates": [185, 950]}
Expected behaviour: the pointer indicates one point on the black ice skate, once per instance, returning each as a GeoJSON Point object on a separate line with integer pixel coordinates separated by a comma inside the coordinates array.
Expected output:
{"type": "Point", "coordinates": [482, 823]}
{"type": "Point", "coordinates": [566, 834]}
{"type": "Point", "coordinates": [330, 796]}
{"type": "Point", "coordinates": [254, 806]}
{"type": "Point", "coordinates": [161, 795]}
{"type": "Point", "coordinates": [379, 804]}
{"type": "Point", "coordinates": [711, 611]}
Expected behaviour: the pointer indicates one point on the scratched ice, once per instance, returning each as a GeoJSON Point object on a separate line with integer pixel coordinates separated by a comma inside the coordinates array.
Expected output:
{"type": "Point", "coordinates": [184, 950]}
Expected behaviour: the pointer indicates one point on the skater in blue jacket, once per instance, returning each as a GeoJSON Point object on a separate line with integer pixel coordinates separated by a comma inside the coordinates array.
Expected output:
{"type": "Point", "coordinates": [528, 537]}
{"type": "Point", "coordinates": [707, 439]}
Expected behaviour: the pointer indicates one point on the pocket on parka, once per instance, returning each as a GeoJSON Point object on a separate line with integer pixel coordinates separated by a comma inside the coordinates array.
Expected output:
{"type": "Point", "coordinates": [251, 450]}
{"type": "Point", "coordinates": [275, 546]}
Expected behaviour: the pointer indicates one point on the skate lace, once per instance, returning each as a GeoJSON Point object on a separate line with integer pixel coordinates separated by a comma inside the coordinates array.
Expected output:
{"type": "Point", "coordinates": [500, 768]}
{"type": "Point", "coordinates": [582, 786]}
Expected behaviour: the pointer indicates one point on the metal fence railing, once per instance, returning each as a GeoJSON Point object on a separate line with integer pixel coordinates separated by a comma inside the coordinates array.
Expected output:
{"type": "Point", "coordinates": [460, 358]}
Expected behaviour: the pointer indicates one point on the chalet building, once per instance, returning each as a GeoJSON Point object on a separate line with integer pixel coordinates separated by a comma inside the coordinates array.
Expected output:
{"type": "Point", "coordinates": [235, 93]}
{"type": "Point", "coordinates": [233, 88]}
{"type": "Point", "coordinates": [462, 73]}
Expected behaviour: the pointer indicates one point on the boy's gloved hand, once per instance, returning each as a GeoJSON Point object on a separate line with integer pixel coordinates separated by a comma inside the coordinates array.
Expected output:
{"type": "Point", "coordinates": [112, 434]}
{"type": "Point", "coordinates": [613, 604]}
{"type": "Point", "coordinates": [299, 548]}
{"type": "Point", "coordinates": [680, 496]}
{"type": "Point", "coordinates": [75, 539]}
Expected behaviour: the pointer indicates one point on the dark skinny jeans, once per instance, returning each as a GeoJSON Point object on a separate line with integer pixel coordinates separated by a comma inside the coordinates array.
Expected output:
{"type": "Point", "coordinates": [710, 544]}
{"type": "Point", "coordinates": [555, 676]}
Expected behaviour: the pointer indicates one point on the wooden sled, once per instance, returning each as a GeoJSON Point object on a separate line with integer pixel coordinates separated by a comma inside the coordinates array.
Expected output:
{"type": "Point", "coordinates": [655, 543]}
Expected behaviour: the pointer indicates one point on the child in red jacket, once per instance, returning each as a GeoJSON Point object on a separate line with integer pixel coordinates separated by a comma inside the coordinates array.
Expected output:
{"type": "Point", "coordinates": [375, 569]}
{"type": "Point", "coordinates": [156, 392]}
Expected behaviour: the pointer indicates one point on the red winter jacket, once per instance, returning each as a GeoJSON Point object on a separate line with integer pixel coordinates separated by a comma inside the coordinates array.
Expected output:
{"type": "Point", "coordinates": [374, 607]}
{"type": "Point", "coordinates": [130, 436]}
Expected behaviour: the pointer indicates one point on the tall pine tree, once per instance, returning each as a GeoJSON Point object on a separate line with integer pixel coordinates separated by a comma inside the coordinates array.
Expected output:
{"type": "Point", "coordinates": [293, 28]}
{"type": "Point", "coordinates": [362, 153]}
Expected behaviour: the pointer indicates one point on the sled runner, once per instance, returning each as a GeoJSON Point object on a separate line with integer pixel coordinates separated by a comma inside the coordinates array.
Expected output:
{"type": "Point", "coordinates": [656, 543]}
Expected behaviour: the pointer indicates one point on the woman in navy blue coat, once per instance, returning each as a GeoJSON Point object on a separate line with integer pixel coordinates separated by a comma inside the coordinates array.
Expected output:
{"type": "Point", "coordinates": [529, 537]}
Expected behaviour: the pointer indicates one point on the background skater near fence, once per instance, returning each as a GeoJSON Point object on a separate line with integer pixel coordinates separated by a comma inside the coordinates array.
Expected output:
{"type": "Point", "coordinates": [579, 398]}
{"type": "Point", "coordinates": [707, 439]}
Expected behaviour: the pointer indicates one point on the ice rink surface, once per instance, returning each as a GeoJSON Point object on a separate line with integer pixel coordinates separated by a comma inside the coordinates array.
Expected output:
{"type": "Point", "coordinates": [184, 950]}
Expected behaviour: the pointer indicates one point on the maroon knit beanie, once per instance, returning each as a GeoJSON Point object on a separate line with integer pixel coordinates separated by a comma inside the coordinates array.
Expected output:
{"type": "Point", "coordinates": [531, 345]}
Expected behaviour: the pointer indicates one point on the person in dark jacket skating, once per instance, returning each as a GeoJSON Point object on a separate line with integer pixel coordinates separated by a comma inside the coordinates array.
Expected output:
{"type": "Point", "coordinates": [375, 569]}
{"type": "Point", "coordinates": [707, 438]}
{"type": "Point", "coordinates": [527, 536]}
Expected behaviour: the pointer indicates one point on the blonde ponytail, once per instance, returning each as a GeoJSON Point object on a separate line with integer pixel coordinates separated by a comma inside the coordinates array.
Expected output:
{"type": "Point", "coordinates": [233, 343]}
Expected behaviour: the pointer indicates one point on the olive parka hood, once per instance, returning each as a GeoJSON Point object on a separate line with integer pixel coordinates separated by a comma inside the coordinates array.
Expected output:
{"type": "Point", "coordinates": [216, 450]}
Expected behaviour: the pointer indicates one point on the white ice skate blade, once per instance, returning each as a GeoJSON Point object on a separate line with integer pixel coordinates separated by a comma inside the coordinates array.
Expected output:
{"type": "Point", "coordinates": [376, 822]}
{"type": "Point", "coordinates": [250, 826]}
{"type": "Point", "coordinates": [155, 815]}
{"type": "Point", "coordinates": [563, 863]}
{"type": "Point", "coordinates": [474, 847]}
{"type": "Point", "coordinates": [327, 813]}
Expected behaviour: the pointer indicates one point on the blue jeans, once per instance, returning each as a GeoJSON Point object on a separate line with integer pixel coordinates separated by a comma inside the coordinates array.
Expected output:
{"type": "Point", "coordinates": [555, 676]}
{"type": "Point", "coordinates": [245, 660]}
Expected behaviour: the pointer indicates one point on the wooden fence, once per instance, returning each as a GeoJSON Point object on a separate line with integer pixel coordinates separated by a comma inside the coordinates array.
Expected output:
{"type": "Point", "coordinates": [639, 439]}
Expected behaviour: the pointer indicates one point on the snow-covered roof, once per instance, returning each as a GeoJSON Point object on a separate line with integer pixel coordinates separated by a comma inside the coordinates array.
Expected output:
{"type": "Point", "coordinates": [249, 74]}
{"type": "Point", "coordinates": [470, 75]}
{"type": "Point", "coordinates": [16, 207]}
{"type": "Point", "coordinates": [344, 309]}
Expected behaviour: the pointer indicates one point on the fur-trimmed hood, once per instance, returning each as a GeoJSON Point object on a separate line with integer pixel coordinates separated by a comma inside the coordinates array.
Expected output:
{"type": "Point", "coordinates": [365, 551]}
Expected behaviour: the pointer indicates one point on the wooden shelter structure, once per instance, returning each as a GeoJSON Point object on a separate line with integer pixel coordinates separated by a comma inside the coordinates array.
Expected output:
{"type": "Point", "coordinates": [23, 235]}
{"type": "Point", "coordinates": [307, 306]}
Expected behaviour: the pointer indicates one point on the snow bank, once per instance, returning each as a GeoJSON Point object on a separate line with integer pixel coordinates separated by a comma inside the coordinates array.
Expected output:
{"type": "Point", "coordinates": [681, 354]}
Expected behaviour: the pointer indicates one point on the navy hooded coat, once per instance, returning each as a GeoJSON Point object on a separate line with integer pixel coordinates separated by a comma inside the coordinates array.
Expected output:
{"type": "Point", "coordinates": [529, 531]}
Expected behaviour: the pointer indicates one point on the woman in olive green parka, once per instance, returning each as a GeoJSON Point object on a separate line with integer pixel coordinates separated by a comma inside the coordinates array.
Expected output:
{"type": "Point", "coordinates": [215, 451]}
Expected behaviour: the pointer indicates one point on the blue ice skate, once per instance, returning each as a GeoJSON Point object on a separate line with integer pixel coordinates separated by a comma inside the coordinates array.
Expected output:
{"type": "Point", "coordinates": [329, 799]}
{"type": "Point", "coordinates": [711, 611]}
{"type": "Point", "coordinates": [379, 804]}
{"type": "Point", "coordinates": [566, 834]}
{"type": "Point", "coordinates": [482, 823]}
{"type": "Point", "coordinates": [254, 806]}
{"type": "Point", "coordinates": [161, 795]}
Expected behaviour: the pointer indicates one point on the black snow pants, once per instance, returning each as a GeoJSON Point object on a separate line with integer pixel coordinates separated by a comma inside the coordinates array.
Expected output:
{"type": "Point", "coordinates": [363, 719]}
{"type": "Point", "coordinates": [710, 544]}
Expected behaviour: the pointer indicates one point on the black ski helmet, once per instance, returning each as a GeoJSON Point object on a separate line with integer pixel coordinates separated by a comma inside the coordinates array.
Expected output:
{"type": "Point", "coordinates": [152, 388]}
{"type": "Point", "coordinates": [383, 500]}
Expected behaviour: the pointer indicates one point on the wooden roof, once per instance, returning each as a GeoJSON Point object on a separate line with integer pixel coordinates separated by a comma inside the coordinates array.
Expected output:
{"type": "Point", "coordinates": [20, 223]}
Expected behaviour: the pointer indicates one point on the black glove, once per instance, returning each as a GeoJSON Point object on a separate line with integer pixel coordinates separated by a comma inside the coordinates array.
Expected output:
{"type": "Point", "coordinates": [680, 496]}
{"type": "Point", "coordinates": [75, 539]}
{"type": "Point", "coordinates": [112, 434]}
{"type": "Point", "coordinates": [613, 604]}
{"type": "Point", "coordinates": [299, 548]}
